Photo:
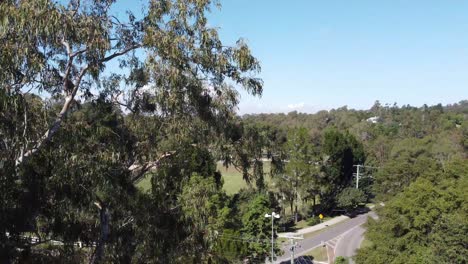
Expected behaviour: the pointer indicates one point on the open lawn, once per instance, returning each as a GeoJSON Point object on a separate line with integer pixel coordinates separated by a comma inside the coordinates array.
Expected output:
{"type": "Point", "coordinates": [233, 183]}
{"type": "Point", "coordinates": [232, 178]}
{"type": "Point", "coordinates": [318, 254]}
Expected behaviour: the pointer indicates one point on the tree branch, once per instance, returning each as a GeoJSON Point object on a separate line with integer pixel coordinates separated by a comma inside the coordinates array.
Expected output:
{"type": "Point", "coordinates": [70, 95]}
{"type": "Point", "coordinates": [120, 53]}
{"type": "Point", "coordinates": [68, 67]}
{"type": "Point", "coordinates": [25, 129]}
{"type": "Point", "coordinates": [58, 121]}
{"type": "Point", "coordinates": [67, 47]}
{"type": "Point", "coordinates": [104, 217]}
{"type": "Point", "coordinates": [75, 11]}
{"type": "Point", "coordinates": [78, 52]}
{"type": "Point", "coordinates": [139, 170]}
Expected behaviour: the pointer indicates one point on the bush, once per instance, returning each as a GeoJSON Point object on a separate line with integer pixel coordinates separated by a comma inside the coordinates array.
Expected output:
{"type": "Point", "coordinates": [350, 198]}
{"type": "Point", "coordinates": [285, 223]}
{"type": "Point", "coordinates": [313, 221]}
{"type": "Point", "coordinates": [341, 260]}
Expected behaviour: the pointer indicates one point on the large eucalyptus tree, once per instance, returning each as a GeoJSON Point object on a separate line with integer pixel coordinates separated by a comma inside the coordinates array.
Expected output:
{"type": "Point", "coordinates": [91, 100]}
{"type": "Point", "coordinates": [171, 62]}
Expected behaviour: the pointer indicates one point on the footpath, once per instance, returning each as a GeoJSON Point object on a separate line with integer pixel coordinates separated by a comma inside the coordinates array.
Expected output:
{"type": "Point", "coordinates": [314, 228]}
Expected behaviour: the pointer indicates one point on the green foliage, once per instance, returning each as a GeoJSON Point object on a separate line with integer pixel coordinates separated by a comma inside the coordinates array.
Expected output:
{"type": "Point", "coordinates": [56, 191]}
{"type": "Point", "coordinates": [410, 158]}
{"type": "Point", "coordinates": [350, 198]}
{"type": "Point", "coordinates": [341, 260]}
{"type": "Point", "coordinates": [419, 155]}
{"type": "Point", "coordinates": [424, 223]}
{"type": "Point", "coordinates": [313, 221]}
{"type": "Point", "coordinates": [246, 152]}
{"type": "Point", "coordinates": [341, 151]}
{"type": "Point", "coordinates": [70, 160]}
{"type": "Point", "coordinates": [464, 140]}
{"type": "Point", "coordinates": [256, 227]}
{"type": "Point", "coordinates": [206, 211]}
{"type": "Point", "coordinates": [231, 246]}
{"type": "Point", "coordinates": [297, 179]}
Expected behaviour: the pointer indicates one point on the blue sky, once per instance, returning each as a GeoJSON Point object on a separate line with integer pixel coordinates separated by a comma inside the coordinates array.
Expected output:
{"type": "Point", "coordinates": [319, 55]}
{"type": "Point", "coordinates": [325, 54]}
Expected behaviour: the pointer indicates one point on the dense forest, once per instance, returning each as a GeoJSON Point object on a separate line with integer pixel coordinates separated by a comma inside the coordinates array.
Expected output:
{"type": "Point", "coordinates": [91, 104]}
{"type": "Point", "coordinates": [418, 162]}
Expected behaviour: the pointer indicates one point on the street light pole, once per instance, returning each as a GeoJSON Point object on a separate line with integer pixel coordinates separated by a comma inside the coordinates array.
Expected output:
{"type": "Point", "coordinates": [273, 215]}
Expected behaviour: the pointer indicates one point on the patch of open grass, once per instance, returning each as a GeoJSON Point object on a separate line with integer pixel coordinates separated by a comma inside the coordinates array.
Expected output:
{"type": "Point", "coordinates": [366, 243]}
{"type": "Point", "coordinates": [301, 224]}
{"type": "Point", "coordinates": [144, 184]}
{"type": "Point", "coordinates": [307, 222]}
{"type": "Point", "coordinates": [282, 240]}
{"type": "Point", "coordinates": [319, 253]}
{"type": "Point", "coordinates": [234, 182]}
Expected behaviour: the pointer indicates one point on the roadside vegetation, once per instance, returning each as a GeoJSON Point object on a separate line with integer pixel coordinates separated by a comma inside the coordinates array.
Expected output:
{"type": "Point", "coordinates": [318, 254]}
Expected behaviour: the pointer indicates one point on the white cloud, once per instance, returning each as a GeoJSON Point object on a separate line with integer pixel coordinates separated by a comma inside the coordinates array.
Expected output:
{"type": "Point", "coordinates": [258, 106]}
{"type": "Point", "coordinates": [296, 106]}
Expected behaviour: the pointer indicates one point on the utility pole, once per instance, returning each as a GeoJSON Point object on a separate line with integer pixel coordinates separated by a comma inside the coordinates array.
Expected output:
{"type": "Point", "coordinates": [357, 176]}
{"type": "Point", "coordinates": [295, 197]}
{"type": "Point", "coordinates": [273, 215]}
{"type": "Point", "coordinates": [357, 173]}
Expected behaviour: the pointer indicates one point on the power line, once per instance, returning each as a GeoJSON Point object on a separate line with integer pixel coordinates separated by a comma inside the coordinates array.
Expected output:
{"type": "Point", "coordinates": [245, 240]}
{"type": "Point", "coordinates": [357, 173]}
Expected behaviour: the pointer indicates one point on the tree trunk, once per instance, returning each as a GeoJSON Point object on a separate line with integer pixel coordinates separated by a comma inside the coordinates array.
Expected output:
{"type": "Point", "coordinates": [291, 205]}
{"type": "Point", "coordinates": [295, 214]}
{"type": "Point", "coordinates": [295, 196]}
{"type": "Point", "coordinates": [104, 222]}
{"type": "Point", "coordinates": [313, 206]}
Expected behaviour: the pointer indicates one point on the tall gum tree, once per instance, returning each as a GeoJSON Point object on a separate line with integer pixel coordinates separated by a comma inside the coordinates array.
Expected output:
{"type": "Point", "coordinates": [175, 64]}
{"type": "Point", "coordinates": [173, 68]}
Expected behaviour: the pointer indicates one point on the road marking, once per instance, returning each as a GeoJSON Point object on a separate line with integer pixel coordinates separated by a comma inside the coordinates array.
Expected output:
{"type": "Point", "coordinates": [334, 242]}
{"type": "Point", "coordinates": [342, 235]}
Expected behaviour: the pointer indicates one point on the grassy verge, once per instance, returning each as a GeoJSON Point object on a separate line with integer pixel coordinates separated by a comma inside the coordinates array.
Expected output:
{"type": "Point", "coordinates": [366, 243]}
{"type": "Point", "coordinates": [312, 234]}
{"type": "Point", "coordinates": [307, 222]}
{"type": "Point", "coordinates": [318, 254]}
{"type": "Point", "coordinates": [282, 240]}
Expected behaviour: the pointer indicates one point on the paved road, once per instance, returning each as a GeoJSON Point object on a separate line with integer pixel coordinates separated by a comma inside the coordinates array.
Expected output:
{"type": "Point", "coordinates": [309, 243]}
{"type": "Point", "coordinates": [350, 242]}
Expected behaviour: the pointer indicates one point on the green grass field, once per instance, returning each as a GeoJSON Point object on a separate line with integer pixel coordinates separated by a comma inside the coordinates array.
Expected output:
{"type": "Point", "coordinates": [232, 178]}
{"type": "Point", "coordinates": [319, 254]}
{"type": "Point", "coordinates": [233, 183]}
